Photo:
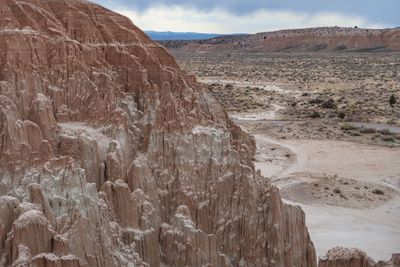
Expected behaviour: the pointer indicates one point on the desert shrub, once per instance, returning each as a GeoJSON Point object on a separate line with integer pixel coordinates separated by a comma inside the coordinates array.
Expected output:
{"type": "Point", "coordinates": [355, 134]}
{"type": "Point", "coordinates": [347, 127]}
{"type": "Point", "coordinates": [329, 104]}
{"type": "Point", "coordinates": [388, 139]}
{"type": "Point", "coordinates": [315, 115]}
{"type": "Point", "coordinates": [367, 130]}
{"type": "Point", "coordinates": [229, 86]}
{"type": "Point", "coordinates": [316, 101]}
{"type": "Point", "coordinates": [337, 191]}
{"type": "Point", "coordinates": [378, 192]}
{"type": "Point", "coordinates": [341, 115]}
{"type": "Point", "coordinates": [392, 100]}
{"type": "Point", "coordinates": [386, 132]}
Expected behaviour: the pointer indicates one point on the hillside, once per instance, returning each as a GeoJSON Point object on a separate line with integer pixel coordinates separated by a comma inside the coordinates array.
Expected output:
{"type": "Point", "coordinates": [299, 40]}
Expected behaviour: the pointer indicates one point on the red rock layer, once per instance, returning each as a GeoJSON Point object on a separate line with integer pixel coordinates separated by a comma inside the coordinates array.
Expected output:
{"type": "Point", "coordinates": [110, 155]}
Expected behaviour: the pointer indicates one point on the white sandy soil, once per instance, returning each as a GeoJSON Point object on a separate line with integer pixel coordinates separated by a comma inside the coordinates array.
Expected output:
{"type": "Point", "coordinates": [375, 230]}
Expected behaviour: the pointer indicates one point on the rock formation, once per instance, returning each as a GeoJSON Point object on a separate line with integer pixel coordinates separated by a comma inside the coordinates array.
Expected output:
{"type": "Point", "coordinates": [298, 40]}
{"type": "Point", "coordinates": [345, 257]}
{"type": "Point", "coordinates": [110, 155]}
{"type": "Point", "coordinates": [352, 257]}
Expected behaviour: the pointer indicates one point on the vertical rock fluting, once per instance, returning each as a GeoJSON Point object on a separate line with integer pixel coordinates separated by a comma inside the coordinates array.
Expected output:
{"type": "Point", "coordinates": [110, 155]}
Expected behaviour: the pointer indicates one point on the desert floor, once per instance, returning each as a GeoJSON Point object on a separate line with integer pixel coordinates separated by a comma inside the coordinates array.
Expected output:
{"type": "Point", "coordinates": [326, 136]}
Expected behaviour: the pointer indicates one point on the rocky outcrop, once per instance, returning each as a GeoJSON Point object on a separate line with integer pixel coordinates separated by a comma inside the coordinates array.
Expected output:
{"type": "Point", "coordinates": [352, 257]}
{"type": "Point", "coordinates": [110, 155]}
{"type": "Point", "coordinates": [345, 257]}
{"type": "Point", "coordinates": [298, 40]}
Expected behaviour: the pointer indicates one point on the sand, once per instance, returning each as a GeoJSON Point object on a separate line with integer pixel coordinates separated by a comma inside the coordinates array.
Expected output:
{"type": "Point", "coordinates": [374, 229]}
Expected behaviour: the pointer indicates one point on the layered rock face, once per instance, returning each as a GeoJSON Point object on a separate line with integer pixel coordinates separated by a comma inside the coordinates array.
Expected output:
{"type": "Point", "coordinates": [110, 155]}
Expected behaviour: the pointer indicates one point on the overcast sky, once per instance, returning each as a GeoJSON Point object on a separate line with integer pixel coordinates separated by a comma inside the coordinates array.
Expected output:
{"type": "Point", "coordinates": [250, 16]}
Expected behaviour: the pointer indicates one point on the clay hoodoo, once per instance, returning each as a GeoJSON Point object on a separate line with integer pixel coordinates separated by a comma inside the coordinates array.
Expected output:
{"type": "Point", "coordinates": [110, 155]}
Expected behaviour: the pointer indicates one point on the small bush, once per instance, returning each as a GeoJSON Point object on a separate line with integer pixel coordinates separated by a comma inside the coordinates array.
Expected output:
{"type": "Point", "coordinates": [392, 100]}
{"type": "Point", "coordinates": [315, 115]}
{"type": "Point", "coordinates": [378, 192]}
{"type": "Point", "coordinates": [386, 132]}
{"type": "Point", "coordinates": [316, 101]}
{"type": "Point", "coordinates": [367, 130]}
{"type": "Point", "coordinates": [388, 139]}
{"type": "Point", "coordinates": [347, 127]}
{"type": "Point", "coordinates": [355, 134]}
{"type": "Point", "coordinates": [329, 104]}
{"type": "Point", "coordinates": [337, 191]}
{"type": "Point", "coordinates": [229, 86]}
{"type": "Point", "coordinates": [341, 115]}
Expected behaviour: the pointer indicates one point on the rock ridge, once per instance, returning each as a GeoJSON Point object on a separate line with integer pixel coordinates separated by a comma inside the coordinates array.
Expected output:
{"type": "Point", "coordinates": [297, 40]}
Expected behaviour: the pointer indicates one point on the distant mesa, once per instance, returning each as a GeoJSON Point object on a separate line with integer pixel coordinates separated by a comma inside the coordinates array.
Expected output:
{"type": "Point", "coordinates": [298, 40]}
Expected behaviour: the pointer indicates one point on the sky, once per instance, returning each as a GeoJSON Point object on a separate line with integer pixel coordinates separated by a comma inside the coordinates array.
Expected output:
{"type": "Point", "coordinates": [251, 16]}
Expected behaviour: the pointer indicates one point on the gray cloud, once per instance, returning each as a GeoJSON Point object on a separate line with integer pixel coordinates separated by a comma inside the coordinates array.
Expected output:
{"type": "Point", "coordinates": [382, 11]}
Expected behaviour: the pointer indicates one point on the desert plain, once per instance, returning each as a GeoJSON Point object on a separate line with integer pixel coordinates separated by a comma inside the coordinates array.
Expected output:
{"type": "Point", "coordinates": [326, 135]}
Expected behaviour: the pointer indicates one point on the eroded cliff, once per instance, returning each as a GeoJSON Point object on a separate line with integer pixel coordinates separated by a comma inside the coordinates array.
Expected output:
{"type": "Point", "coordinates": [110, 155]}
